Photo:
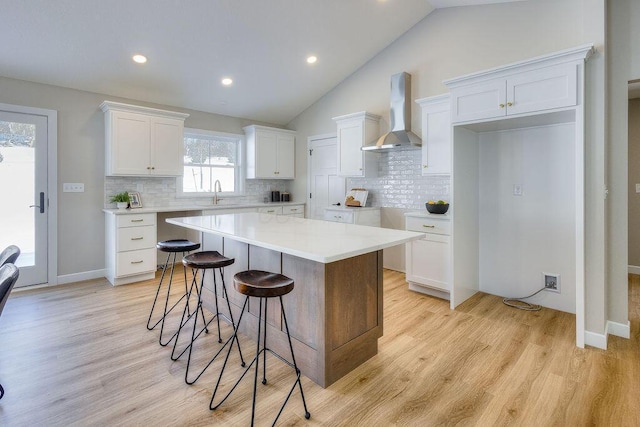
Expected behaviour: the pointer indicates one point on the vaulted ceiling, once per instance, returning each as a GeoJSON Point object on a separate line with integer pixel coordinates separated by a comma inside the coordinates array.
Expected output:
{"type": "Point", "coordinates": [262, 45]}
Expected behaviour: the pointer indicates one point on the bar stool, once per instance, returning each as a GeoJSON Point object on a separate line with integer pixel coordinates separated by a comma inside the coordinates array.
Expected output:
{"type": "Point", "coordinates": [172, 247]}
{"type": "Point", "coordinates": [262, 285]}
{"type": "Point", "coordinates": [203, 261]}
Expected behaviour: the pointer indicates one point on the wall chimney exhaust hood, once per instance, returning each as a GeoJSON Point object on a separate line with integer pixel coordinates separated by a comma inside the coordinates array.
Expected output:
{"type": "Point", "coordinates": [400, 137]}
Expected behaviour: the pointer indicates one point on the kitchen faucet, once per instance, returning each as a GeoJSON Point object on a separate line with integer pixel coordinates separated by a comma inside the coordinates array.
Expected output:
{"type": "Point", "coordinates": [217, 187]}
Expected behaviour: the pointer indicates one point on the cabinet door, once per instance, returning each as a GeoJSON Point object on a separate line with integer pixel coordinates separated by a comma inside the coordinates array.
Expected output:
{"type": "Point", "coordinates": [428, 261]}
{"type": "Point", "coordinates": [350, 156]}
{"type": "Point", "coordinates": [436, 141]}
{"type": "Point", "coordinates": [286, 157]}
{"type": "Point", "coordinates": [167, 149]}
{"type": "Point", "coordinates": [478, 101]}
{"type": "Point", "coordinates": [130, 144]}
{"type": "Point", "coordinates": [544, 89]}
{"type": "Point", "coordinates": [266, 154]}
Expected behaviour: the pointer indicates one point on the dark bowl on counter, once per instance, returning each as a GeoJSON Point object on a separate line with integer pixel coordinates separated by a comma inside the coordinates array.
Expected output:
{"type": "Point", "coordinates": [437, 208]}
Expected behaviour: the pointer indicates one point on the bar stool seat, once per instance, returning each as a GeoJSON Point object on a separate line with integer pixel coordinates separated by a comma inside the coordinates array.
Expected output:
{"type": "Point", "coordinates": [262, 285]}
{"type": "Point", "coordinates": [172, 248]}
{"type": "Point", "coordinates": [203, 261]}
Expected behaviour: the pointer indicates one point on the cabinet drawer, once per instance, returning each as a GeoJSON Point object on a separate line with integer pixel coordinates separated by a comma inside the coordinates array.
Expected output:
{"type": "Point", "coordinates": [272, 210]}
{"type": "Point", "coordinates": [135, 220]}
{"type": "Point", "coordinates": [290, 210]}
{"type": "Point", "coordinates": [429, 225]}
{"type": "Point", "coordinates": [338, 216]}
{"type": "Point", "coordinates": [135, 262]}
{"type": "Point", "coordinates": [134, 238]}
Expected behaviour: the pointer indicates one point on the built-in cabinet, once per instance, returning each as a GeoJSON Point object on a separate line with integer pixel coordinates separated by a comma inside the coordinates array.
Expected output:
{"type": "Point", "coordinates": [428, 260]}
{"type": "Point", "coordinates": [142, 141]}
{"type": "Point", "coordinates": [436, 135]}
{"type": "Point", "coordinates": [530, 88]}
{"type": "Point", "coordinates": [518, 150]}
{"type": "Point", "coordinates": [130, 247]}
{"type": "Point", "coordinates": [270, 152]}
{"type": "Point", "coordinates": [361, 216]}
{"type": "Point", "coordinates": [355, 131]}
{"type": "Point", "coordinates": [288, 210]}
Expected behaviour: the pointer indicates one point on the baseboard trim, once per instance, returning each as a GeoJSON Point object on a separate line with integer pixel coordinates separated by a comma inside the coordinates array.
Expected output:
{"type": "Point", "coordinates": [79, 277]}
{"type": "Point", "coordinates": [619, 329]}
{"type": "Point", "coordinates": [595, 340]}
{"type": "Point", "coordinates": [633, 269]}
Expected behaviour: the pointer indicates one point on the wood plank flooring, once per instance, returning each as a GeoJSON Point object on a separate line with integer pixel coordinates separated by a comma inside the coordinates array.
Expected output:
{"type": "Point", "coordinates": [80, 354]}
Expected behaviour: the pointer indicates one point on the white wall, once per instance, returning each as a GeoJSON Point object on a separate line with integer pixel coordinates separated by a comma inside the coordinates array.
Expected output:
{"type": "Point", "coordinates": [81, 159]}
{"type": "Point", "coordinates": [523, 236]}
{"type": "Point", "coordinates": [457, 41]}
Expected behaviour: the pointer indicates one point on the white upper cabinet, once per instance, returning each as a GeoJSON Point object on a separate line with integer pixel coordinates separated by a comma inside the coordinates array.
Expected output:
{"type": "Point", "coordinates": [436, 135]}
{"type": "Point", "coordinates": [355, 131]}
{"type": "Point", "coordinates": [270, 152]}
{"type": "Point", "coordinates": [529, 87]}
{"type": "Point", "coordinates": [142, 141]}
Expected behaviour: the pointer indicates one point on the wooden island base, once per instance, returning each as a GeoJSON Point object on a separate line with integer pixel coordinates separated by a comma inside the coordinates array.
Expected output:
{"type": "Point", "coordinates": [334, 312]}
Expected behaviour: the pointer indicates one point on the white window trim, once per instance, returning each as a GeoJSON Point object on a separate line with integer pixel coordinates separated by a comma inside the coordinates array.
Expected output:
{"type": "Point", "coordinates": [239, 170]}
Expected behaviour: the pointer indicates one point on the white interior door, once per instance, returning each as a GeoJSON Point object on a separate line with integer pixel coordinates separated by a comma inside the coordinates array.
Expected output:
{"type": "Point", "coordinates": [24, 172]}
{"type": "Point", "coordinates": [326, 188]}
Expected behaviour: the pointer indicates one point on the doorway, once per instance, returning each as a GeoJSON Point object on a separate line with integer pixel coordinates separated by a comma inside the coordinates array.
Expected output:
{"type": "Point", "coordinates": [27, 166]}
{"type": "Point", "coordinates": [326, 188]}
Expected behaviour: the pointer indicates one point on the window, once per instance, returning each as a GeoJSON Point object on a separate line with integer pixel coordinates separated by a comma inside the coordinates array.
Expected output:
{"type": "Point", "coordinates": [210, 157]}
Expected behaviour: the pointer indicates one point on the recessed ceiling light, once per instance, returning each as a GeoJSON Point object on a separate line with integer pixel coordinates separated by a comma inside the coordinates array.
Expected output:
{"type": "Point", "coordinates": [312, 59]}
{"type": "Point", "coordinates": [140, 59]}
{"type": "Point", "coordinates": [227, 81]}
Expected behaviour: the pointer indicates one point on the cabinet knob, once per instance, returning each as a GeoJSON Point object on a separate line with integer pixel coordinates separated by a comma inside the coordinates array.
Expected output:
{"type": "Point", "coordinates": [148, 167]}
{"type": "Point", "coordinates": [424, 166]}
{"type": "Point", "coordinates": [153, 167]}
{"type": "Point", "coordinates": [509, 104]}
{"type": "Point", "coordinates": [501, 105]}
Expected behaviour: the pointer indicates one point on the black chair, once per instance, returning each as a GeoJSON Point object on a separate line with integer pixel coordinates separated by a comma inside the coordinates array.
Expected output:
{"type": "Point", "coordinates": [172, 248]}
{"type": "Point", "coordinates": [9, 255]}
{"type": "Point", "coordinates": [261, 285]}
{"type": "Point", "coordinates": [8, 277]}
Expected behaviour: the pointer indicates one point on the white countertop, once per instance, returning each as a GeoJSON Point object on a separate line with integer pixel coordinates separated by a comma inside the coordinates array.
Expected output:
{"type": "Point", "coordinates": [196, 208]}
{"type": "Point", "coordinates": [315, 240]}
{"type": "Point", "coordinates": [351, 208]}
{"type": "Point", "coordinates": [426, 214]}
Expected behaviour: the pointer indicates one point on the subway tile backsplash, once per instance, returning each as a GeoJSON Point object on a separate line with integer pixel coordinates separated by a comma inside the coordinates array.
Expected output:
{"type": "Point", "coordinates": [161, 192]}
{"type": "Point", "coordinates": [400, 183]}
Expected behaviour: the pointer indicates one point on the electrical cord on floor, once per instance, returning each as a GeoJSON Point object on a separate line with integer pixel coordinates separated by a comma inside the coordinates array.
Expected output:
{"type": "Point", "coordinates": [523, 305]}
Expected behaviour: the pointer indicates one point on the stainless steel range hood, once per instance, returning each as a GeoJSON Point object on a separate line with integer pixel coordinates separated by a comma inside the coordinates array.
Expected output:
{"type": "Point", "coordinates": [400, 137]}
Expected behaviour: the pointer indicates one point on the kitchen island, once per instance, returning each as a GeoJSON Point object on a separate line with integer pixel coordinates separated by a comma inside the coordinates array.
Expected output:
{"type": "Point", "coordinates": [335, 310]}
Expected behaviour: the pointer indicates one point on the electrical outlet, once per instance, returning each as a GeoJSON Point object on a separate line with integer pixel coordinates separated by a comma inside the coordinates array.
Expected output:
{"type": "Point", "coordinates": [551, 282]}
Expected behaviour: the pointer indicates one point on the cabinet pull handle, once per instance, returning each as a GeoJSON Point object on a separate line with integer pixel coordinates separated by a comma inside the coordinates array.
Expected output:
{"type": "Point", "coordinates": [509, 104]}
{"type": "Point", "coordinates": [271, 211]}
{"type": "Point", "coordinates": [137, 220]}
{"type": "Point", "coordinates": [424, 166]}
{"type": "Point", "coordinates": [137, 262]}
{"type": "Point", "coordinates": [293, 210]}
{"type": "Point", "coordinates": [137, 238]}
{"type": "Point", "coordinates": [428, 226]}
{"type": "Point", "coordinates": [337, 216]}
{"type": "Point", "coordinates": [501, 105]}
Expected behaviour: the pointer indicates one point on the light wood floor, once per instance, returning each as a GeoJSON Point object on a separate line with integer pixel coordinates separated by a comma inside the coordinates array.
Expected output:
{"type": "Point", "coordinates": [81, 355]}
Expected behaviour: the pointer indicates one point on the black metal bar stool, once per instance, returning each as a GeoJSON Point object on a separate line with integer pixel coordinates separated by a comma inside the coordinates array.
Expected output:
{"type": "Point", "coordinates": [172, 247]}
{"type": "Point", "coordinates": [203, 261]}
{"type": "Point", "coordinates": [262, 285]}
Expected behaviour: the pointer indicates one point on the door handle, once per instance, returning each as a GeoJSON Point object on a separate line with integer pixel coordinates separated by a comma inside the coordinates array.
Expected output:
{"type": "Point", "coordinates": [336, 204]}
{"type": "Point", "coordinates": [41, 205]}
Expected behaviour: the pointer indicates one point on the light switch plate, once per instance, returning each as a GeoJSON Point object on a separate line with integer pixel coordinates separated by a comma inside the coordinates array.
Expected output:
{"type": "Point", "coordinates": [73, 187]}
{"type": "Point", "coordinates": [517, 189]}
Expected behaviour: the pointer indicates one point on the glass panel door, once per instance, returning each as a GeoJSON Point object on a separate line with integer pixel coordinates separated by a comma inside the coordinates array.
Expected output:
{"type": "Point", "coordinates": [24, 207]}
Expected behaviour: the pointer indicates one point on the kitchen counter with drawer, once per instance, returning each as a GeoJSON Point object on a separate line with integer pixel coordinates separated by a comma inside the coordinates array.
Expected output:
{"type": "Point", "coordinates": [428, 260]}
{"type": "Point", "coordinates": [131, 234]}
{"type": "Point", "coordinates": [353, 215]}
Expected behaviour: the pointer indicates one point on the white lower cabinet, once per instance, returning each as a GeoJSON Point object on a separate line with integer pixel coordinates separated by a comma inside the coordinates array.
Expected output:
{"type": "Point", "coordinates": [360, 216]}
{"type": "Point", "coordinates": [428, 260]}
{"type": "Point", "coordinates": [287, 210]}
{"type": "Point", "coordinates": [130, 249]}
